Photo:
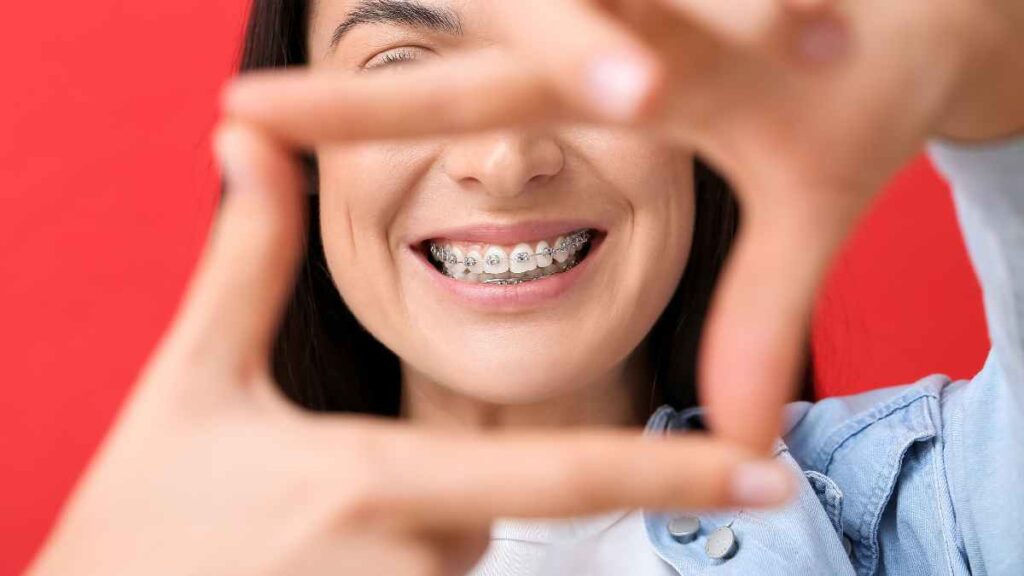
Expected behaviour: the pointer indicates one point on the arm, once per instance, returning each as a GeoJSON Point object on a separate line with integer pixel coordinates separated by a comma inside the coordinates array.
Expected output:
{"type": "Point", "coordinates": [983, 420]}
{"type": "Point", "coordinates": [988, 190]}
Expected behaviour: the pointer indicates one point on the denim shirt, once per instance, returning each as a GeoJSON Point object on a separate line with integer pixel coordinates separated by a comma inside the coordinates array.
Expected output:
{"type": "Point", "coordinates": [920, 479]}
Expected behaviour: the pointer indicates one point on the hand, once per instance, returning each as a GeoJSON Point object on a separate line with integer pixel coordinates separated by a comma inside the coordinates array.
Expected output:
{"type": "Point", "coordinates": [807, 106]}
{"type": "Point", "coordinates": [209, 470]}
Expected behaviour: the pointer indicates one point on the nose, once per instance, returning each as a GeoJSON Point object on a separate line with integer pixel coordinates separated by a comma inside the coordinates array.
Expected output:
{"type": "Point", "coordinates": [503, 164]}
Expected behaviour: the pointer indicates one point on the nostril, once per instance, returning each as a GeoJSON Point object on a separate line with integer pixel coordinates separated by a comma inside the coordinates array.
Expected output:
{"type": "Point", "coordinates": [470, 182]}
{"type": "Point", "coordinates": [539, 179]}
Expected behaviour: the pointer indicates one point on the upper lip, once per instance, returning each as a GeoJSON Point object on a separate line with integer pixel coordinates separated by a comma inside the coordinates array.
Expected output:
{"type": "Point", "coordinates": [489, 233]}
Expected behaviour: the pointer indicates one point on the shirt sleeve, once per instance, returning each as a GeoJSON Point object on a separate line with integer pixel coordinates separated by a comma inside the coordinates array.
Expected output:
{"type": "Point", "coordinates": [983, 420]}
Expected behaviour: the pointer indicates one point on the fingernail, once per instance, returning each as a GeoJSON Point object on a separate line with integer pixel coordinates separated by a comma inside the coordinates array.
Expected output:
{"type": "Point", "coordinates": [234, 93]}
{"type": "Point", "coordinates": [761, 484]}
{"type": "Point", "coordinates": [619, 84]}
{"type": "Point", "coordinates": [822, 41]}
{"type": "Point", "coordinates": [224, 151]}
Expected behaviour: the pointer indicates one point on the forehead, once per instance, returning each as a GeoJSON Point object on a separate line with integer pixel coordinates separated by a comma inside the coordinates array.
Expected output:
{"type": "Point", "coordinates": [332, 20]}
{"type": "Point", "coordinates": [323, 12]}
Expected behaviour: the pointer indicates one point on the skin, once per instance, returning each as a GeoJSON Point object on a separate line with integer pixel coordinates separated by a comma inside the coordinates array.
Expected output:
{"type": "Point", "coordinates": [463, 366]}
{"type": "Point", "coordinates": [209, 470]}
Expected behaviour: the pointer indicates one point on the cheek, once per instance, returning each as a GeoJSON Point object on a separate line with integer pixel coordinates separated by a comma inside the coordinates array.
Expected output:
{"type": "Point", "coordinates": [656, 184]}
{"type": "Point", "coordinates": [649, 175]}
{"type": "Point", "coordinates": [652, 243]}
{"type": "Point", "coordinates": [362, 193]}
{"type": "Point", "coordinates": [365, 186]}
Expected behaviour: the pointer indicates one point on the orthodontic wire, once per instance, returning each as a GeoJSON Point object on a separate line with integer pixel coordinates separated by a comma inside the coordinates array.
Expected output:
{"type": "Point", "coordinates": [569, 265]}
{"type": "Point", "coordinates": [575, 240]}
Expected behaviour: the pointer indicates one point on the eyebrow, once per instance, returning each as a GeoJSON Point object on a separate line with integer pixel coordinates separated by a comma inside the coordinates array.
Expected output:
{"type": "Point", "coordinates": [406, 13]}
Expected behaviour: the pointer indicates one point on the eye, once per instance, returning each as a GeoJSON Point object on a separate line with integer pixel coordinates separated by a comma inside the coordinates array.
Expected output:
{"type": "Point", "coordinates": [396, 57]}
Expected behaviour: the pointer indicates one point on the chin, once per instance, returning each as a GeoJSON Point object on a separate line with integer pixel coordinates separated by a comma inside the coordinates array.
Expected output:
{"type": "Point", "coordinates": [524, 367]}
{"type": "Point", "coordinates": [508, 388]}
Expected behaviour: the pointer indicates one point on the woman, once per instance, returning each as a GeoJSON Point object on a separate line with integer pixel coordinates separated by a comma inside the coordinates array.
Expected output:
{"type": "Point", "coordinates": [549, 274]}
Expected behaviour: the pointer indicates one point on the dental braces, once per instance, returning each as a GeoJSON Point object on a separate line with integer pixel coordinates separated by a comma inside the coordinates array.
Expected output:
{"type": "Point", "coordinates": [573, 241]}
{"type": "Point", "coordinates": [569, 265]}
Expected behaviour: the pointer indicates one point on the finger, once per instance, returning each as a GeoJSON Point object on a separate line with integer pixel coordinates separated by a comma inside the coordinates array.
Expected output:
{"type": "Point", "coordinates": [801, 31]}
{"type": "Point", "coordinates": [442, 481]}
{"type": "Point", "coordinates": [737, 21]}
{"type": "Point", "coordinates": [233, 305]}
{"type": "Point", "coordinates": [365, 554]}
{"type": "Point", "coordinates": [461, 550]}
{"type": "Point", "coordinates": [457, 95]}
{"type": "Point", "coordinates": [593, 60]}
{"type": "Point", "coordinates": [755, 343]}
{"type": "Point", "coordinates": [807, 5]}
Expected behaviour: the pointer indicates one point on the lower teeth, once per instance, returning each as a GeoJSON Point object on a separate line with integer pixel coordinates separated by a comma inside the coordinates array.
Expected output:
{"type": "Point", "coordinates": [569, 264]}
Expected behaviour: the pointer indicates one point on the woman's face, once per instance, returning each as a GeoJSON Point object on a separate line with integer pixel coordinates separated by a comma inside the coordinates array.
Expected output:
{"type": "Point", "coordinates": [512, 320]}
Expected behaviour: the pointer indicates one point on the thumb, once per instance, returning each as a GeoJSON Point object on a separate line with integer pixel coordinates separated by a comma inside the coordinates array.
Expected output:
{"type": "Point", "coordinates": [589, 56]}
{"type": "Point", "coordinates": [234, 303]}
{"type": "Point", "coordinates": [755, 344]}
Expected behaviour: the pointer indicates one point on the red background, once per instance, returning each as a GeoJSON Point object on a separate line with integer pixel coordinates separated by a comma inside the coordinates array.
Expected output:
{"type": "Point", "coordinates": [107, 189]}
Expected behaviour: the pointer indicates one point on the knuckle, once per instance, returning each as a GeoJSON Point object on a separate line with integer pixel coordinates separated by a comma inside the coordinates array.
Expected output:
{"type": "Point", "coordinates": [584, 476]}
{"type": "Point", "coordinates": [359, 503]}
{"type": "Point", "coordinates": [362, 497]}
{"type": "Point", "coordinates": [465, 103]}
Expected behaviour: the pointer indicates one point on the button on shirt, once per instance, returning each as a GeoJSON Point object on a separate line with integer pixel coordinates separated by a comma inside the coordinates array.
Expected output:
{"type": "Point", "coordinates": [921, 479]}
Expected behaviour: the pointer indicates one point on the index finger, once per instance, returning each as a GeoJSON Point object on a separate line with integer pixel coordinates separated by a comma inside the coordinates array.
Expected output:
{"type": "Point", "coordinates": [444, 480]}
{"type": "Point", "coordinates": [459, 94]}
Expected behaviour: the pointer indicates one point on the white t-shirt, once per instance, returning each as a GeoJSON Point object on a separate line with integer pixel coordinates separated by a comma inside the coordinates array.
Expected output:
{"type": "Point", "coordinates": [604, 545]}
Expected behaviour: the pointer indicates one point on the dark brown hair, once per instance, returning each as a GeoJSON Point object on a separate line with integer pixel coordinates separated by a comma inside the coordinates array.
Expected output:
{"type": "Point", "coordinates": [325, 360]}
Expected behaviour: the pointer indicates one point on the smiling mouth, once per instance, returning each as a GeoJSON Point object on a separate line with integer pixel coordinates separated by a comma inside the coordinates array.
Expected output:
{"type": "Point", "coordinates": [476, 263]}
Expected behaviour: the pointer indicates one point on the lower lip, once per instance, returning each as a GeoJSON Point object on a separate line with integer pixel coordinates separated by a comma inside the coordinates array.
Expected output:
{"type": "Point", "coordinates": [512, 298]}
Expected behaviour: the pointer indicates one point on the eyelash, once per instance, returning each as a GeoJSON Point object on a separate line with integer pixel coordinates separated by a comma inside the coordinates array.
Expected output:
{"type": "Point", "coordinates": [393, 57]}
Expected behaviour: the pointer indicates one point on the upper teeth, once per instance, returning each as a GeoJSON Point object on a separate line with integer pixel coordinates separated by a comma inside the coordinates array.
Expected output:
{"type": "Point", "coordinates": [495, 260]}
